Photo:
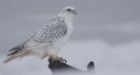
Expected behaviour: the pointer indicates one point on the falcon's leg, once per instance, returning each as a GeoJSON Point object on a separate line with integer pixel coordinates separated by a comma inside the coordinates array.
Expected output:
{"type": "Point", "coordinates": [54, 57]}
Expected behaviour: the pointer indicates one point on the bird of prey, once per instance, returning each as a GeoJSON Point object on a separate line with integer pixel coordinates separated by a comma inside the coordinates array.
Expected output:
{"type": "Point", "coordinates": [48, 41]}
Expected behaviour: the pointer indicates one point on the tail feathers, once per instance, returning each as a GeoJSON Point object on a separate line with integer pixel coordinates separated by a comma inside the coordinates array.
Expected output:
{"type": "Point", "coordinates": [9, 58]}
{"type": "Point", "coordinates": [15, 54]}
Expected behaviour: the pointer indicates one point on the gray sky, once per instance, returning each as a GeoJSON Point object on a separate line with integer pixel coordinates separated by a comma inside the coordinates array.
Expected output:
{"type": "Point", "coordinates": [115, 21]}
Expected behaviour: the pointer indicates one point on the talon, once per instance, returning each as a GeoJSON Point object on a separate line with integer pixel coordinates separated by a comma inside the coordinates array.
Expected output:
{"type": "Point", "coordinates": [63, 60]}
{"type": "Point", "coordinates": [58, 59]}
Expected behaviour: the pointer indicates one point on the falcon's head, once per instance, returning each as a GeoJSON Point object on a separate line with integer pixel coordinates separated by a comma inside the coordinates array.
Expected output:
{"type": "Point", "coordinates": [69, 10]}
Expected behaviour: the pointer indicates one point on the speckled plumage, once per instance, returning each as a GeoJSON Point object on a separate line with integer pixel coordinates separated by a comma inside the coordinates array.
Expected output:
{"type": "Point", "coordinates": [49, 40]}
{"type": "Point", "coordinates": [49, 33]}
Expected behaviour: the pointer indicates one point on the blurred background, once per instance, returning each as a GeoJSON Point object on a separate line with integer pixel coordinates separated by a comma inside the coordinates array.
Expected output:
{"type": "Point", "coordinates": [106, 31]}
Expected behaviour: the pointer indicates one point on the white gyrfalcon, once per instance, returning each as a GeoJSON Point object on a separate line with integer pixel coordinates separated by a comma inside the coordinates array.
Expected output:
{"type": "Point", "coordinates": [49, 40]}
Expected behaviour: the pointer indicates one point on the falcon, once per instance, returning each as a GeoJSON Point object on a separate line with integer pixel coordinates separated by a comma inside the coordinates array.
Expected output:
{"type": "Point", "coordinates": [49, 40]}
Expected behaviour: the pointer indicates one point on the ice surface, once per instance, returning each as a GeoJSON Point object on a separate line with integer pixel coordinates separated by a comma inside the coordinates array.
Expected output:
{"type": "Point", "coordinates": [121, 59]}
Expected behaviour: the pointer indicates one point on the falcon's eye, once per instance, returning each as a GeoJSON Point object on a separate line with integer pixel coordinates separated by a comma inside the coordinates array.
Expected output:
{"type": "Point", "coordinates": [68, 9]}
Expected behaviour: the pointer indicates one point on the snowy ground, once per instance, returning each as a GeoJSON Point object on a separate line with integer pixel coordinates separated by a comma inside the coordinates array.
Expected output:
{"type": "Point", "coordinates": [115, 21]}
{"type": "Point", "coordinates": [121, 59]}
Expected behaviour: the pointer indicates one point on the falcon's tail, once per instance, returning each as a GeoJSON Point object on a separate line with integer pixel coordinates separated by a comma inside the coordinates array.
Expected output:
{"type": "Point", "coordinates": [16, 53]}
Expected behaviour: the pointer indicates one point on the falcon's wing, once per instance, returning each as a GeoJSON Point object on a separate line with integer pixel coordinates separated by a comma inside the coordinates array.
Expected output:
{"type": "Point", "coordinates": [49, 33]}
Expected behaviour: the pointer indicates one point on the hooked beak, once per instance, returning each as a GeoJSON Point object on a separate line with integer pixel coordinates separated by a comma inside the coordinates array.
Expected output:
{"type": "Point", "coordinates": [74, 12]}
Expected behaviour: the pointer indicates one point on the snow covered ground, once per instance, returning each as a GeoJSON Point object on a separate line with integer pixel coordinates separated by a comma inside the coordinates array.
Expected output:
{"type": "Point", "coordinates": [121, 59]}
{"type": "Point", "coordinates": [106, 31]}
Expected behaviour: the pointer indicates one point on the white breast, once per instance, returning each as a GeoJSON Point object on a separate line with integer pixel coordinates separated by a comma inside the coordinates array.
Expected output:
{"type": "Point", "coordinates": [69, 24]}
{"type": "Point", "coordinates": [61, 42]}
